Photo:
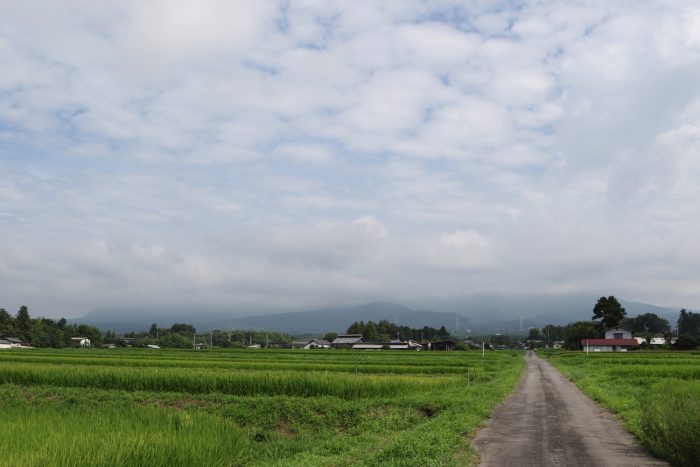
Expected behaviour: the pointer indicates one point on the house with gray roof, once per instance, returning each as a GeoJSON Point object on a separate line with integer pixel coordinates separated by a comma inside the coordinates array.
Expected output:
{"type": "Point", "coordinates": [346, 341]}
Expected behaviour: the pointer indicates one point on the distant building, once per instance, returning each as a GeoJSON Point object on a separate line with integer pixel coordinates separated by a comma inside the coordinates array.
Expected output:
{"type": "Point", "coordinates": [16, 342]}
{"type": "Point", "coordinates": [408, 345]}
{"type": "Point", "coordinates": [79, 342]}
{"type": "Point", "coordinates": [654, 340]}
{"type": "Point", "coordinates": [618, 333]}
{"type": "Point", "coordinates": [312, 344]}
{"type": "Point", "coordinates": [442, 345]}
{"type": "Point", "coordinates": [346, 341]}
{"type": "Point", "coordinates": [616, 340]}
{"type": "Point", "coordinates": [5, 344]}
{"type": "Point", "coordinates": [279, 345]}
{"type": "Point", "coordinates": [361, 346]}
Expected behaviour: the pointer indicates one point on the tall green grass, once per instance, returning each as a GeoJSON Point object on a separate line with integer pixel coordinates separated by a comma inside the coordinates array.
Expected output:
{"type": "Point", "coordinates": [112, 436]}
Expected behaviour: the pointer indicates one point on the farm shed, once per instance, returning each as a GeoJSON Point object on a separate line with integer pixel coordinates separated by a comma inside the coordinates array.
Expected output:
{"type": "Point", "coordinates": [279, 345]}
{"type": "Point", "coordinates": [442, 345]}
{"type": "Point", "coordinates": [367, 346]}
{"type": "Point", "coordinates": [79, 342]}
{"type": "Point", "coordinates": [5, 344]}
{"type": "Point", "coordinates": [400, 345]}
{"type": "Point", "coordinates": [608, 345]}
{"type": "Point", "coordinates": [346, 341]}
{"type": "Point", "coordinates": [311, 344]}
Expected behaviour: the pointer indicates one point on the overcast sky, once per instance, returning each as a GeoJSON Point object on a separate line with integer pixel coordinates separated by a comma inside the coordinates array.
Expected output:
{"type": "Point", "coordinates": [314, 152]}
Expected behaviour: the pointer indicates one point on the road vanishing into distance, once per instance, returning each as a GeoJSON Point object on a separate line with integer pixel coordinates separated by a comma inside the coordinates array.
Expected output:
{"type": "Point", "coordinates": [548, 421]}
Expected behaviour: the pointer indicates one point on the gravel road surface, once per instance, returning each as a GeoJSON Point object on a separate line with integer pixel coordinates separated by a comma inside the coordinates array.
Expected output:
{"type": "Point", "coordinates": [548, 421]}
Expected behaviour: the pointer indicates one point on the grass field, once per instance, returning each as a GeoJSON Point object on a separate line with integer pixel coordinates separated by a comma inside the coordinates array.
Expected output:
{"type": "Point", "coordinates": [656, 394]}
{"type": "Point", "coordinates": [246, 407]}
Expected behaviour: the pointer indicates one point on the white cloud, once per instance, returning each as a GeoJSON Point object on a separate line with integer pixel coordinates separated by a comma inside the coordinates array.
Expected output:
{"type": "Point", "coordinates": [309, 152]}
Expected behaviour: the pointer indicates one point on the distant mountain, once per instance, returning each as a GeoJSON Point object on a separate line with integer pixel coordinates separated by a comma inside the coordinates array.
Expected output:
{"type": "Point", "coordinates": [496, 313]}
{"type": "Point", "coordinates": [302, 322]}
{"type": "Point", "coordinates": [140, 318]}
{"type": "Point", "coordinates": [479, 314]}
{"type": "Point", "coordinates": [339, 319]}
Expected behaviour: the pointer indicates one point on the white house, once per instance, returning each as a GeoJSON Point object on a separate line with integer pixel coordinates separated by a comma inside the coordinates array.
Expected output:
{"type": "Point", "coordinates": [616, 340]}
{"type": "Point", "coordinates": [312, 344]}
{"type": "Point", "coordinates": [16, 342]}
{"type": "Point", "coordinates": [618, 333]}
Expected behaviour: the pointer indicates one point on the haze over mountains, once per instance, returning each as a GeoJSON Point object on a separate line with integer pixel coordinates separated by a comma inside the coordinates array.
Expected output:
{"type": "Point", "coordinates": [475, 314]}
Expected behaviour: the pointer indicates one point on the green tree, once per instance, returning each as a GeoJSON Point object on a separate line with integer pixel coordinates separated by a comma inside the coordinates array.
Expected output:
{"type": "Point", "coordinates": [6, 322]}
{"type": "Point", "coordinates": [371, 333]}
{"type": "Point", "coordinates": [24, 324]}
{"type": "Point", "coordinates": [647, 323]}
{"type": "Point", "coordinates": [689, 323]}
{"type": "Point", "coordinates": [330, 336]}
{"type": "Point", "coordinates": [688, 330]}
{"type": "Point", "coordinates": [153, 331]}
{"type": "Point", "coordinates": [182, 328]}
{"type": "Point", "coordinates": [579, 330]}
{"type": "Point", "coordinates": [609, 312]}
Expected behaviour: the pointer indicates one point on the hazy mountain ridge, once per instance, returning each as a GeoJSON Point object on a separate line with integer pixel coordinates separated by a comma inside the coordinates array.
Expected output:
{"type": "Point", "coordinates": [476, 314]}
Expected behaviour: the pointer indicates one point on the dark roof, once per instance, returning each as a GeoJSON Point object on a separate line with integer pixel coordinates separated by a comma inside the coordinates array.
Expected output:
{"type": "Point", "coordinates": [348, 339]}
{"type": "Point", "coordinates": [14, 340]}
{"type": "Point", "coordinates": [609, 342]}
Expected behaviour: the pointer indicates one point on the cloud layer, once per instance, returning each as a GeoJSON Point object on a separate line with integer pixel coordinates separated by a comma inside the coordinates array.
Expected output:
{"type": "Point", "coordinates": [301, 153]}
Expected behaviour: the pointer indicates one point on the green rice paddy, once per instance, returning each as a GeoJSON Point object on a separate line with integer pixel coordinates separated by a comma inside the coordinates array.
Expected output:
{"type": "Point", "coordinates": [247, 407]}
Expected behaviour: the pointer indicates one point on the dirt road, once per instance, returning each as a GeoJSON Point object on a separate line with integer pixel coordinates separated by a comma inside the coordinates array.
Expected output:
{"type": "Point", "coordinates": [548, 421]}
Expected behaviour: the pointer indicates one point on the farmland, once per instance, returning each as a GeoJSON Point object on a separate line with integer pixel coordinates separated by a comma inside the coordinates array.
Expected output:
{"type": "Point", "coordinates": [247, 407]}
{"type": "Point", "coordinates": [656, 395]}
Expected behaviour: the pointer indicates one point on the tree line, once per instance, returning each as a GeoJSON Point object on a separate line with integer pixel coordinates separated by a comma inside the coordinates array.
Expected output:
{"type": "Point", "coordinates": [607, 313]}
{"type": "Point", "coordinates": [385, 331]}
{"type": "Point", "coordinates": [44, 332]}
{"type": "Point", "coordinates": [184, 336]}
